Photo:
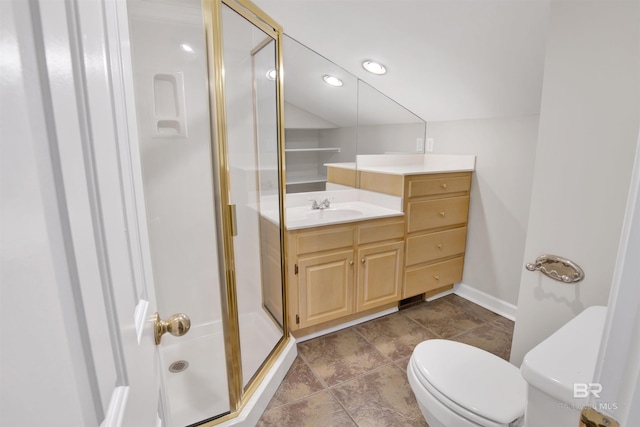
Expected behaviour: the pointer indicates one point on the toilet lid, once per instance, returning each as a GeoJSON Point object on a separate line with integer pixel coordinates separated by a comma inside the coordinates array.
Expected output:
{"type": "Point", "coordinates": [474, 379]}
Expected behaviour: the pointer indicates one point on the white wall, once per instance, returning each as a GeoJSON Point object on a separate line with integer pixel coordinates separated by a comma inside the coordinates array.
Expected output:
{"type": "Point", "coordinates": [586, 142]}
{"type": "Point", "coordinates": [344, 138]}
{"type": "Point", "coordinates": [500, 196]}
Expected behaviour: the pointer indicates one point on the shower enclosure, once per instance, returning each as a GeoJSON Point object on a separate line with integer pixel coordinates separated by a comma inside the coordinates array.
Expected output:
{"type": "Point", "coordinates": [208, 105]}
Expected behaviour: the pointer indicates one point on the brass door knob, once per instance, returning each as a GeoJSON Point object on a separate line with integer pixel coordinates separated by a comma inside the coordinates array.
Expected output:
{"type": "Point", "coordinates": [363, 260]}
{"type": "Point", "coordinates": [177, 325]}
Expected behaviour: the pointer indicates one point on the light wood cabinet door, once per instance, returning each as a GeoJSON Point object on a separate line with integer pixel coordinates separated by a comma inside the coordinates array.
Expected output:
{"type": "Point", "coordinates": [379, 275]}
{"type": "Point", "coordinates": [325, 287]}
{"type": "Point", "coordinates": [271, 269]}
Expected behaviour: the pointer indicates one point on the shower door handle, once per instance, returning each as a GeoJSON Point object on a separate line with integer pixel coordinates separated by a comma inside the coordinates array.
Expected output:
{"type": "Point", "coordinates": [177, 325]}
{"type": "Point", "coordinates": [233, 221]}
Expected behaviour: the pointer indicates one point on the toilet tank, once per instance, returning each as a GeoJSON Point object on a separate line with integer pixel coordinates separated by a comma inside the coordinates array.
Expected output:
{"type": "Point", "coordinates": [559, 371]}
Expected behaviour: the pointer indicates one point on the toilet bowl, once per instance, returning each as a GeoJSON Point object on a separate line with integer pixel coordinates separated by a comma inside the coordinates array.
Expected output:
{"type": "Point", "coordinates": [457, 385]}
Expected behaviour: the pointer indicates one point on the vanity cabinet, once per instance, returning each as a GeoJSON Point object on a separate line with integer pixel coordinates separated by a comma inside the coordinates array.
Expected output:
{"type": "Point", "coordinates": [336, 271]}
{"type": "Point", "coordinates": [437, 208]}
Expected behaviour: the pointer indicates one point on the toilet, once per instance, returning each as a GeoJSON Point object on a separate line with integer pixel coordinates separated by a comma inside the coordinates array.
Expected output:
{"type": "Point", "coordinates": [457, 385]}
{"type": "Point", "coordinates": [554, 367]}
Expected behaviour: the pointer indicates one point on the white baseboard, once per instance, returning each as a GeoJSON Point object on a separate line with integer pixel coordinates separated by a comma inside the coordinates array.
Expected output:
{"type": "Point", "coordinates": [440, 295]}
{"type": "Point", "coordinates": [346, 325]}
{"type": "Point", "coordinates": [487, 301]}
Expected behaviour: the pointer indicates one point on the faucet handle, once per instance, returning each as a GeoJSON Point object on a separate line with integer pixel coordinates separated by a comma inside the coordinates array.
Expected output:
{"type": "Point", "coordinates": [315, 204]}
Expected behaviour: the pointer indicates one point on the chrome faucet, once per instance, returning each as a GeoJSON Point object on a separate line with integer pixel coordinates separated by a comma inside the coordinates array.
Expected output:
{"type": "Point", "coordinates": [326, 203]}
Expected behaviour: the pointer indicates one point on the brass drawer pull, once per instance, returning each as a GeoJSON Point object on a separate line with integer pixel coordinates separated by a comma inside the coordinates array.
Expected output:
{"type": "Point", "coordinates": [444, 186]}
{"type": "Point", "coordinates": [441, 213]}
{"type": "Point", "coordinates": [439, 245]}
{"type": "Point", "coordinates": [436, 277]}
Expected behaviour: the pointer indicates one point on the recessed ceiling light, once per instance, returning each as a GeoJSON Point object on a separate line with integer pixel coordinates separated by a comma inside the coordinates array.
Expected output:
{"type": "Point", "coordinates": [332, 80]}
{"type": "Point", "coordinates": [272, 74]}
{"type": "Point", "coordinates": [374, 67]}
{"type": "Point", "coordinates": [186, 48]}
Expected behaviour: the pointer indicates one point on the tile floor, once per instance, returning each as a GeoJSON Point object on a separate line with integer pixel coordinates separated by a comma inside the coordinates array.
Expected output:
{"type": "Point", "coordinates": [357, 376]}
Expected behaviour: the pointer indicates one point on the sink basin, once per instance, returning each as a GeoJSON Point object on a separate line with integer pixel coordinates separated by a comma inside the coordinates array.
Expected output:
{"type": "Point", "coordinates": [302, 216]}
{"type": "Point", "coordinates": [334, 213]}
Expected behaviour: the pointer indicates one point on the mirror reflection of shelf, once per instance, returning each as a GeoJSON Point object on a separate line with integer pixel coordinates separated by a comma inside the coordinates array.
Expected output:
{"type": "Point", "coordinates": [305, 186]}
{"type": "Point", "coordinates": [316, 149]}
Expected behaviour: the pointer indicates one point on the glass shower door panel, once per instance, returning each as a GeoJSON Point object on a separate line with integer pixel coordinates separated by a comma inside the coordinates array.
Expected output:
{"type": "Point", "coordinates": [172, 106]}
{"type": "Point", "coordinates": [249, 56]}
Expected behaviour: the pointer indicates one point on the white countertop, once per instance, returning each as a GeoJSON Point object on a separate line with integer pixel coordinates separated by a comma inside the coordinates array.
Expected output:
{"type": "Point", "coordinates": [410, 164]}
{"type": "Point", "coordinates": [359, 205]}
{"type": "Point", "coordinates": [345, 165]}
{"type": "Point", "coordinates": [414, 169]}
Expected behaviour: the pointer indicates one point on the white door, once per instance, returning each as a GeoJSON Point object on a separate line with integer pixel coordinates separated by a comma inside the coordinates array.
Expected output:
{"type": "Point", "coordinates": [618, 366]}
{"type": "Point", "coordinates": [74, 268]}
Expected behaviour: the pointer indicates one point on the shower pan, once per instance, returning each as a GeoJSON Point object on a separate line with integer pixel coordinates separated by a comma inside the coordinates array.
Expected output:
{"type": "Point", "coordinates": [208, 104]}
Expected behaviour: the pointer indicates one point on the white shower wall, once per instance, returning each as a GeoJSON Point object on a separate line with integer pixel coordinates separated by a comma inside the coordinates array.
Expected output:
{"type": "Point", "coordinates": [177, 169]}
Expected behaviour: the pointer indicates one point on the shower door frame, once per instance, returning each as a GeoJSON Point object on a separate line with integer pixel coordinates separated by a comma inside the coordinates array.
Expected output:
{"type": "Point", "coordinates": [239, 395]}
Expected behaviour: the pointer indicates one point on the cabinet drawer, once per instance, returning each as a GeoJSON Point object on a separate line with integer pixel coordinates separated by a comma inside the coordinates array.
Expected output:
{"type": "Point", "coordinates": [420, 186]}
{"type": "Point", "coordinates": [377, 232]}
{"type": "Point", "coordinates": [429, 247]}
{"type": "Point", "coordinates": [324, 239]}
{"type": "Point", "coordinates": [437, 213]}
{"type": "Point", "coordinates": [424, 279]}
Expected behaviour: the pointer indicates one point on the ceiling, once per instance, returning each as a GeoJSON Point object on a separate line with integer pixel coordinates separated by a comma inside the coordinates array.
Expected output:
{"type": "Point", "coordinates": [446, 59]}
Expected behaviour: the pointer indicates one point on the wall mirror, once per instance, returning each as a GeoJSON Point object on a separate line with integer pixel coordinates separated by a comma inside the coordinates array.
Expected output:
{"type": "Point", "coordinates": [327, 125]}
{"type": "Point", "coordinates": [386, 127]}
{"type": "Point", "coordinates": [320, 119]}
